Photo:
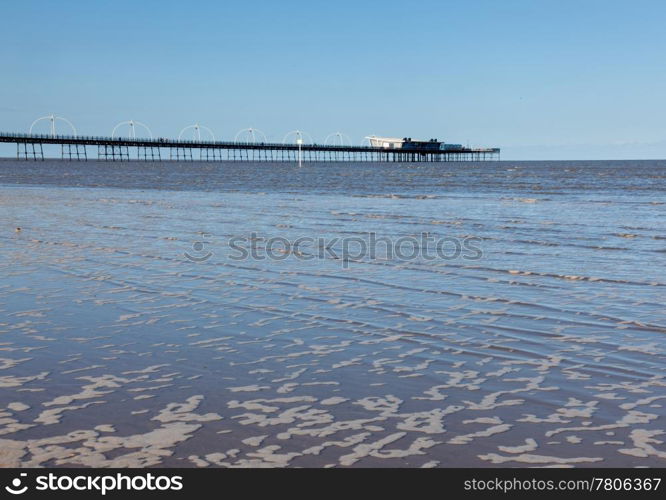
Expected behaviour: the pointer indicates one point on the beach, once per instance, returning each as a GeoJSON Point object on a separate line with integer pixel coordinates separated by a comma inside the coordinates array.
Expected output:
{"type": "Point", "coordinates": [237, 315]}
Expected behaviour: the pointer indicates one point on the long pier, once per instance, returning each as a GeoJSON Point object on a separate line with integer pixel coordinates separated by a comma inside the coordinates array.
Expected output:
{"type": "Point", "coordinates": [74, 147]}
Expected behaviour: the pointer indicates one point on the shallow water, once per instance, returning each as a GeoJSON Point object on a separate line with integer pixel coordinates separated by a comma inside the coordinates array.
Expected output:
{"type": "Point", "coordinates": [545, 347]}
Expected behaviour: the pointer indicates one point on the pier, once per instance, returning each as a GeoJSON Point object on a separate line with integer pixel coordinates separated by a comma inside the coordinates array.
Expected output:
{"type": "Point", "coordinates": [83, 148]}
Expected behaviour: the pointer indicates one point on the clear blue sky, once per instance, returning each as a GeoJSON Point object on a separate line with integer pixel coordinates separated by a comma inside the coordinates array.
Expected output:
{"type": "Point", "coordinates": [541, 79]}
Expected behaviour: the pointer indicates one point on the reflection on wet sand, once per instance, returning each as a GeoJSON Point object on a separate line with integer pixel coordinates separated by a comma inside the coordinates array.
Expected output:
{"type": "Point", "coordinates": [117, 351]}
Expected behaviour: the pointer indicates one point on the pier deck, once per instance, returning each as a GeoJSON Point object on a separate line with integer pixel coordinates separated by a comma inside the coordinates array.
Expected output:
{"type": "Point", "coordinates": [30, 147]}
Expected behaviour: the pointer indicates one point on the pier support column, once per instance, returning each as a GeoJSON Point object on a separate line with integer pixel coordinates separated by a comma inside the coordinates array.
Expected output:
{"type": "Point", "coordinates": [73, 152]}
{"type": "Point", "coordinates": [149, 153]}
{"type": "Point", "coordinates": [29, 151]}
{"type": "Point", "coordinates": [111, 152]}
{"type": "Point", "coordinates": [210, 154]}
{"type": "Point", "coordinates": [180, 154]}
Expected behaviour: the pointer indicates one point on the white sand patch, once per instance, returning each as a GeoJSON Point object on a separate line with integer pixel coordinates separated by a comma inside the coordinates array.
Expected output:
{"type": "Point", "coordinates": [537, 459]}
{"type": "Point", "coordinates": [291, 376]}
{"type": "Point", "coordinates": [376, 449]}
{"type": "Point", "coordinates": [182, 412]}
{"type": "Point", "coordinates": [258, 404]}
{"type": "Point", "coordinates": [644, 441]}
{"type": "Point", "coordinates": [11, 453]}
{"type": "Point", "coordinates": [198, 462]}
{"type": "Point", "coordinates": [254, 441]}
{"type": "Point", "coordinates": [18, 406]}
{"type": "Point", "coordinates": [249, 388]}
{"type": "Point", "coordinates": [633, 417]}
{"type": "Point", "coordinates": [91, 390]}
{"type": "Point", "coordinates": [88, 449]}
{"type": "Point", "coordinates": [105, 428]}
{"type": "Point", "coordinates": [641, 402]}
{"type": "Point", "coordinates": [483, 420]}
{"type": "Point", "coordinates": [126, 317]}
{"type": "Point", "coordinates": [490, 431]}
{"type": "Point", "coordinates": [344, 443]}
{"type": "Point", "coordinates": [54, 415]}
{"type": "Point", "coordinates": [428, 422]}
{"type": "Point", "coordinates": [147, 370]}
{"type": "Point", "coordinates": [287, 388]}
{"type": "Point", "coordinates": [6, 363]}
{"type": "Point", "coordinates": [288, 416]}
{"type": "Point", "coordinates": [86, 368]}
{"type": "Point", "coordinates": [530, 445]}
{"type": "Point", "coordinates": [386, 406]}
{"type": "Point", "coordinates": [10, 425]}
{"type": "Point", "coordinates": [335, 400]}
{"type": "Point", "coordinates": [9, 381]}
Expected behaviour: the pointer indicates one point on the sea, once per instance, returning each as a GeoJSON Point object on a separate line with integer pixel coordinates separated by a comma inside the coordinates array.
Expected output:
{"type": "Point", "coordinates": [236, 314]}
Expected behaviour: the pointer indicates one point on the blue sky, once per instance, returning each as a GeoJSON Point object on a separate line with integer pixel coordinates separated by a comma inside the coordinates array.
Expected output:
{"type": "Point", "coordinates": [541, 79]}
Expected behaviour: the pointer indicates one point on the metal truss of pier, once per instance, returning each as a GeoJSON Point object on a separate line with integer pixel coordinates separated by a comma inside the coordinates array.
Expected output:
{"type": "Point", "coordinates": [31, 147]}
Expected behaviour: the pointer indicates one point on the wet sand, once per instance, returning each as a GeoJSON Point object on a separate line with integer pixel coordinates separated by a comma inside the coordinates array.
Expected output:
{"type": "Point", "coordinates": [116, 350]}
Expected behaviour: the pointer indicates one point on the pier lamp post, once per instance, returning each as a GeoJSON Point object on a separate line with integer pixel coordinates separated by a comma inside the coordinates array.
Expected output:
{"type": "Point", "coordinates": [52, 119]}
{"type": "Point", "coordinates": [299, 141]}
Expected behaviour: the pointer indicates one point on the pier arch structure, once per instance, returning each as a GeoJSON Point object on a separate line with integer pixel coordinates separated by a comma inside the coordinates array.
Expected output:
{"type": "Point", "coordinates": [121, 153]}
{"type": "Point", "coordinates": [205, 154]}
{"type": "Point", "coordinates": [67, 151]}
